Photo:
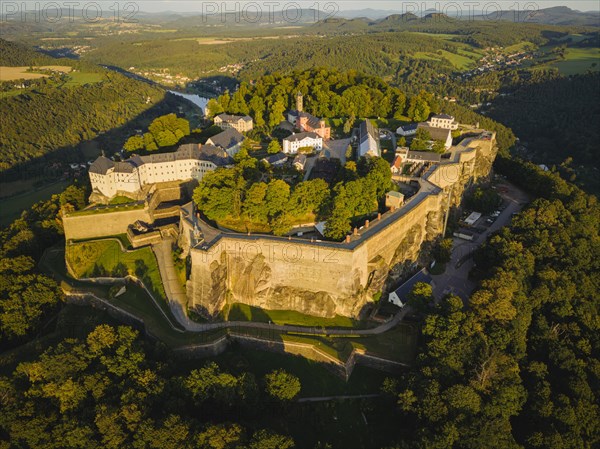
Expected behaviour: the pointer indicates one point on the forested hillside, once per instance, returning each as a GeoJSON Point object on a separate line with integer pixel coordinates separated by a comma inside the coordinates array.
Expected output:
{"type": "Point", "coordinates": [557, 118]}
{"type": "Point", "coordinates": [14, 54]}
{"type": "Point", "coordinates": [389, 48]}
{"type": "Point", "coordinates": [54, 114]}
{"type": "Point", "coordinates": [519, 367]}
{"type": "Point", "coordinates": [36, 123]}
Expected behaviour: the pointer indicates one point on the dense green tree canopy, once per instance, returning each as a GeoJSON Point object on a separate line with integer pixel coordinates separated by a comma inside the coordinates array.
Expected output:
{"type": "Point", "coordinates": [517, 368]}
{"type": "Point", "coordinates": [37, 123]}
{"type": "Point", "coordinates": [282, 385]}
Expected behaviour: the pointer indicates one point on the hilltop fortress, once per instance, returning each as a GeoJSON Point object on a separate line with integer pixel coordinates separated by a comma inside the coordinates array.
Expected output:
{"type": "Point", "coordinates": [297, 273]}
{"type": "Point", "coordinates": [327, 278]}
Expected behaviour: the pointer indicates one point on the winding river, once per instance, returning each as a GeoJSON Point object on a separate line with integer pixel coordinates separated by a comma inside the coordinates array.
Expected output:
{"type": "Point", "coordinates": [199, 101]}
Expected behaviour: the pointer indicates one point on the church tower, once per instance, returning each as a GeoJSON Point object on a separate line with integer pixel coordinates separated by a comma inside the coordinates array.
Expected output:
{"type": "Point", "coordinates": [299, 101]}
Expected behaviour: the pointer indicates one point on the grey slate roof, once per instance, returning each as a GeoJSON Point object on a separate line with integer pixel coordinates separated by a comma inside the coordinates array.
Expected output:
{"type": "Point", "coordinates": [427, 156]}
{"type": "Point", "coordinates": [443, 116]}
{"type": "Point", "coordinates": [234, 118]}
{"type": "Point", "coordinates": [407, 287]}
{"type": "Point", "coordinates": [124, 167]}
{"type": "Point", "coordinates": [279, 157]}
{"type": "Point", "coordinates": [227, 139]}
{"type": "Point", "coordinates": [209, 153]}
{"type": "Point", "coordinates": [101, 165]}
{"type": "Point", "coordinates": [436, 133]}
{"type": "Point", "coordinates": [368, 130]}
{"type": "Point", "coordinates": [216, 155]}
{"type": "Point", "coordinates": [300, 136]}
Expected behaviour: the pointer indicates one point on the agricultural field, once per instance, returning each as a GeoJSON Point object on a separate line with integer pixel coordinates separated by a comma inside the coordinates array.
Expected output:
{"type": "Point", "coordinates": [460, 62]}
{"type": "Point", "coordinates": [20, 73]}
{"type": "Point", "coordinates": [579, 60]}
{"type": "Point", "coordinates": [520, 47]}
{"type": "Point", "coordinates": [81, 78]}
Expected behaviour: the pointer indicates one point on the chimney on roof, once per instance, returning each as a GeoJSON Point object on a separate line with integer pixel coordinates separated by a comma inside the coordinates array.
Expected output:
{"type": "Point", "coordinates": [379, 216]}
{"type": "Point", "coordinates": [367, 224]}
{"type": "Point", "coordinates": [348, 238]}
{"type": "Point", "coordinates": [355, 231]}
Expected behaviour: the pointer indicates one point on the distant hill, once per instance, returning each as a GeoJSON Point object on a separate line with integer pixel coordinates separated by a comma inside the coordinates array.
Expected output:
{"type": "Point", "coordinates": [437, 16]}
{"type": "Point", "coordinates": [337, 25]}
{"type": "Point", "coordinates": [396, 20]}
{"type": "Point", "coordinates": [369, 13]}
{"type": "Point", "coordinates": [15, 55]}
{"type": "Point", "coordinates": [558, 15]}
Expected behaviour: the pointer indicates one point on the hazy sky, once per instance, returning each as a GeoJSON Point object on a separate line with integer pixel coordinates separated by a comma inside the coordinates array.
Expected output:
{"type": "Point", "coordinates": [341, 5]}
{"type": "Point", "coordinates": [196, 5]}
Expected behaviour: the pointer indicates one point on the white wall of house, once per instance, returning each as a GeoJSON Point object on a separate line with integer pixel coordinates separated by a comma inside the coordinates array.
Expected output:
{"type": "Point", "coordinates": [292, 146]}
{"type": "Point", "coordinates": [112, 182]}
{"type": "Point", "coordinates": [394, 299]}
{"type": "Point", "coordinates": [410, 132]}
{"type": "Point", "coordinates": [239, 125]}
{"type": "Point", "coordinates": [444, 123]}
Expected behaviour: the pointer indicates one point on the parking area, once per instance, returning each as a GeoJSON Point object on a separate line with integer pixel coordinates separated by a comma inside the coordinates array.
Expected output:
{"type": "Point", "coordinates": [456, 277]}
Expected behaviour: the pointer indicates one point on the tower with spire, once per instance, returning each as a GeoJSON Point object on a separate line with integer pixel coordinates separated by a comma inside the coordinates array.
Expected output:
{"type": "Point", "coordinates": [299, 101]}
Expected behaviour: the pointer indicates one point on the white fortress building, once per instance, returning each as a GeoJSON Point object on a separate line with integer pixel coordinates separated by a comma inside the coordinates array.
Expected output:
{"type": "Point", "coordinates": [443, 121]}
{"type": "Point", "coordinates": [292, 143]}
{"type": "Point", "coordinates": [241, 123]}
{"type": "Point", "coordinates": [191, 161]}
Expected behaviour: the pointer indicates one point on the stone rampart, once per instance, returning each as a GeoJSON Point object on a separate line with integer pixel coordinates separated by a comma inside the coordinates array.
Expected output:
{"type": "Point", "coordinates": [324, 278]}
{"type": "Point", "coordinates": [103, 224]}
{"type": "Point", "coordinates": [116, 219]}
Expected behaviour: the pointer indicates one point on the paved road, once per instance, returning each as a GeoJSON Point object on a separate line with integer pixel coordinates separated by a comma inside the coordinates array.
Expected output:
{"type": "Point", "coordinates": [456, 277]}
{"type": "Point", "coordinates": [338, 398]}
{"type": "Point", "coordinates": [175, 293]}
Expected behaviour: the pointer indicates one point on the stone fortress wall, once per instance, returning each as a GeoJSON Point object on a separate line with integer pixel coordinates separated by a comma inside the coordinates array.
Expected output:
{"type": "Point", "coordinates": [312, 277]}
{"type": "Point", "coordinates": [325, 278]}
{"type": "Point", "coordinates": [114, 220]}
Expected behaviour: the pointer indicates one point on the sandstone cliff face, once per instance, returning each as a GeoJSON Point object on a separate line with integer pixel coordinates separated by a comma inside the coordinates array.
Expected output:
{"type": "Point", "coordinates": [325, 282]}
{"type": "Point", "coordinates": [251, 282]}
